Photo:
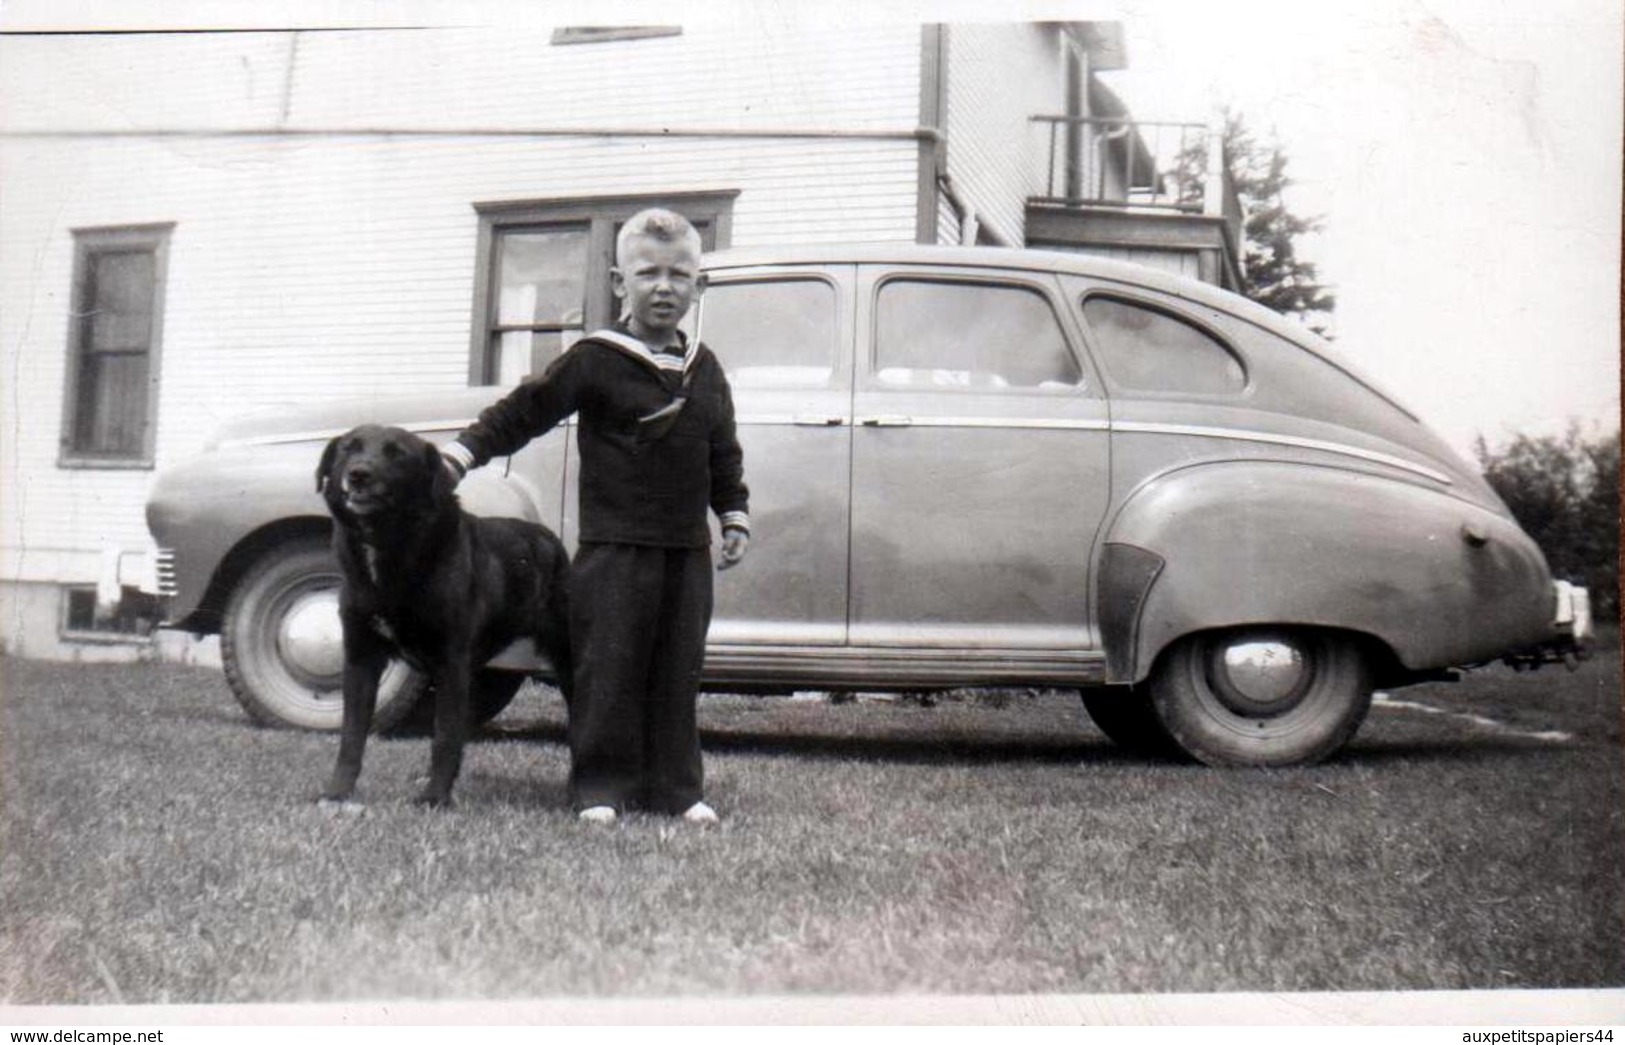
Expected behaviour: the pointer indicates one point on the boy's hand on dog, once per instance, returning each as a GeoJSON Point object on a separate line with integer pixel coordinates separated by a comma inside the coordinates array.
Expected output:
{"type": "Point", "coordinates": [452, 469]}
{"type": "Point", "coordinates": [734, 543]}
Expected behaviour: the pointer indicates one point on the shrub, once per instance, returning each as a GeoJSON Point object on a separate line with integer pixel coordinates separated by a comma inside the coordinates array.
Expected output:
{"type": "Point", "coordinates": [1564, 490]}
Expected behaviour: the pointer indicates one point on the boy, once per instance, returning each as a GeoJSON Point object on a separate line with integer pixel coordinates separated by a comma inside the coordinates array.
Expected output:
{"type": "Point", "coordinates": [657, 442]}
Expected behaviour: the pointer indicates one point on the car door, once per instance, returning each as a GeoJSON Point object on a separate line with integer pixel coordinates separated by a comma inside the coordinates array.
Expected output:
{"type": "Point", "coordinates": [980, 467]}
{"type": "Point", "coordinates": [784, 338]}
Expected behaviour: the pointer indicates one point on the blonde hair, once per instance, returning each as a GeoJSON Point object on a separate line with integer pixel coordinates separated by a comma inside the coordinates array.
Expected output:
{"type": "Point", "coordinates": [655, 223]}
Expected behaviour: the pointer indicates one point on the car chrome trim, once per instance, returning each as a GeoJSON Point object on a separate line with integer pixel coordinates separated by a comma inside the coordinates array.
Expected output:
{"type": "Point", "coordinates": [331, 433]}
{"type": "Point", "coordinates": [1092, 425]}
{"type": "Point", "coordinates": [776, 665]}
{"type": "Point", "coordinates": [915, 422]}
{"type": "Point", "coordinates": [803, 420]}
{"type": "Point", "coordinates": [163, 573]}
{"type": "Point", "coordinates": [859, 666]}
{"type": "Point", "coordinates": [890, 421]}
{"type": "Point", "coordinates": [1254, 436]}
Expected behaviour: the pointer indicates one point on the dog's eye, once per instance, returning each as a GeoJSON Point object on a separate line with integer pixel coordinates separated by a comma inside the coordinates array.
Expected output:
{"type": "Point", "coordinates": [392, 451]}
{"type": "Point", "coordinates": [353, 446]}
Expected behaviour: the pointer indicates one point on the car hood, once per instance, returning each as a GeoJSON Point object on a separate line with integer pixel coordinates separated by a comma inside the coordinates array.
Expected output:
{"type": "Point", "coordinates": [451, 409]}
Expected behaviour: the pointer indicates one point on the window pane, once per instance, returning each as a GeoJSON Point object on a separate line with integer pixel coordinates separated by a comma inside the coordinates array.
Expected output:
{"type": "Point", "coordinates": [112, 407]}
{"type": "Point", "coordinates": [1152, 351]}
{"type": "Point", "coordinates": [778, 334]}
{"type": "Point", "coordinates": [970, 335]}
{"type": "Point", "coordinates": [121, 301]}
{"type": "Point", "coordinates": [520, 353]}
{"type": "Point", "coordinates": [542, 276]}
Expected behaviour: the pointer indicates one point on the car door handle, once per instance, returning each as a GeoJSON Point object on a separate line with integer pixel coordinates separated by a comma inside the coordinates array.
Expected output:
{"type": "Point", "coordinates": [818, 420]}
{"type": "Point", "coordinates": [886, 421]}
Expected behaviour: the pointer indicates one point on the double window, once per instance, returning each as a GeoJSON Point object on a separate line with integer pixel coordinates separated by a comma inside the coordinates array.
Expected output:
{"type": "Point", "coordinates": [543, 277]}
{"type": "Point", "coordinates": [113, 340]}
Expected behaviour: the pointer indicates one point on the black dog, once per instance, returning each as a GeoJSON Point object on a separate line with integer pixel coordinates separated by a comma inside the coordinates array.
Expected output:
{"type": "Point", "coordinates": [424, 580]}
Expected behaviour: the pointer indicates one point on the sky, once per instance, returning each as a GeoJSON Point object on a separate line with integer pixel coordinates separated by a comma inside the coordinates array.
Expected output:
{"type": "Point", "coordinates": [1465, 158]}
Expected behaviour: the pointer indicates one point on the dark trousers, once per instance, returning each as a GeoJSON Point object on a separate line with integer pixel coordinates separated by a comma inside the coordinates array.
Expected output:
{"type": "Point", "coordinates": [638, 617]}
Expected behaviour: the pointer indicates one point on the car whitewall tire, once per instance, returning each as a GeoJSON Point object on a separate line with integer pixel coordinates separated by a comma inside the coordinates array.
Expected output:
{"type": "Point", "coordinates": [1262, 696]}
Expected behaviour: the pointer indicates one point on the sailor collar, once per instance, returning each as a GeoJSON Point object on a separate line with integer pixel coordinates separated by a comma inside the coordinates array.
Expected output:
{"type": "Point", "coordinates": [635, 348]}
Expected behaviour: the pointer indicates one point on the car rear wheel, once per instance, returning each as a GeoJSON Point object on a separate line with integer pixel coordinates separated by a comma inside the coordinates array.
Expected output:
{"type": "Point", "coordinates": [1262, 696]}
{"type": "Point", "coordinates": [1127, 718]}
{"type": "Point", "coordinates": [283, 646]}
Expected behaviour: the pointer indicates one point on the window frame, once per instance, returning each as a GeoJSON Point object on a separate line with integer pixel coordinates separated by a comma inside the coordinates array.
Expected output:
{"type": "Point", "coordinates": [1088, 384]}
{"type": "Point", "coordinates": [711, 211]}
{"type": "Point", "coordinates": [1120, 390]}
{"type": "Point", "coordinates": [88, 244]}
{"type": "Point", "coordinates": [67, 632]}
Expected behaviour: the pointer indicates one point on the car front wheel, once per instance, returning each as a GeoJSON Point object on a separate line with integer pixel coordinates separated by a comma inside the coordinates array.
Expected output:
{"type": "Point", "coordinates": [1262, 696]}
{"type": "Point", "coordinates": [283, 646]}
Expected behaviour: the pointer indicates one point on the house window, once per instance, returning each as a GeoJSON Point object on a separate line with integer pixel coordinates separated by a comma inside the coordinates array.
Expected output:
{"type": "Point", "coordinates": [136, 617]}
{"type": "Point", "coordinates": [543, 276]}
{"type": "Point", "coordinates": [113, 341]}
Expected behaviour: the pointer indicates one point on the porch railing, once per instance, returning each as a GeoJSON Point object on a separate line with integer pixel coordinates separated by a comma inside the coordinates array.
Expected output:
{"type": "Point", "coordinates": [1117, 162]}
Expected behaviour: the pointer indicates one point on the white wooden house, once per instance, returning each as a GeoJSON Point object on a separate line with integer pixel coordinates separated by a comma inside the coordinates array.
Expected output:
{"type": "Point", "coordinates": [194, 225]}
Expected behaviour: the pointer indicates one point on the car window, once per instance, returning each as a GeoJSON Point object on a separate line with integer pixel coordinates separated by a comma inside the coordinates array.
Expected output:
{"type": "Point", "coordinates": [772, 333]}
{"type": "Point", "coordinates": [942, 334]}
{"type": "Point", "coordinates": [1149, 350]}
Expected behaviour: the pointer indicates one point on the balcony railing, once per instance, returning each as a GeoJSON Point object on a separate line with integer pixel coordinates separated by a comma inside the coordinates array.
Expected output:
{"type": "Point", "coordinates": [1114, 162]}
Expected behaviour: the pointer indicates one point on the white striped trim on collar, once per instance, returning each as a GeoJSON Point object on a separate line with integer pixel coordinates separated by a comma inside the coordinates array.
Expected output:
{"type": "Point", "coordinates": [638, 350]}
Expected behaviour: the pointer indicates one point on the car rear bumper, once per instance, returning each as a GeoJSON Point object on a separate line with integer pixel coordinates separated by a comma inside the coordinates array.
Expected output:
{"type": "Point", "coordinates": [1572, 631]}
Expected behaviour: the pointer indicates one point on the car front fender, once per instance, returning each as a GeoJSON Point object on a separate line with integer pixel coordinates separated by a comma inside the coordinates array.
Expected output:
{"type": "Point", "coordinates": [1440, 581]}
{"type": "Point", "coordinates": [214, 511]}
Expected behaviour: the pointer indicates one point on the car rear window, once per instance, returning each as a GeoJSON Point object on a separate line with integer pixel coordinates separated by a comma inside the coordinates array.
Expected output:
{"type": "Point", "coordinates": [1148, 350]}
{"type": "Point", "coordinates": [776, 333]}
{"type": "Point", "coordinates": [958, 334]}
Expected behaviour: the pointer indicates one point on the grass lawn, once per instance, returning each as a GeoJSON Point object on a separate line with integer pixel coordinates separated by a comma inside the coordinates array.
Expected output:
{"type": "Point", "coordinates": [155, 847]}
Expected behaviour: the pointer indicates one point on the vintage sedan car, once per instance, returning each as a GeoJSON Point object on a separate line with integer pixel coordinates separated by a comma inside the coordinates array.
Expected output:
{"type": "Point", "coordinates": [974, 467]}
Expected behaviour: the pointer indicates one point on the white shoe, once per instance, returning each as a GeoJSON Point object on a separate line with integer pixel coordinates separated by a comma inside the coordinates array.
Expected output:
{"type": "Point", "coordinates": [598, 815]}
{"type": "Point", "coordinates": [700, 813]}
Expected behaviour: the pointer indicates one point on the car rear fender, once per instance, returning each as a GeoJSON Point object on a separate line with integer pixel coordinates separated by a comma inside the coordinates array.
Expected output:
{"type": "Point", "coordinates": [1437, 580]}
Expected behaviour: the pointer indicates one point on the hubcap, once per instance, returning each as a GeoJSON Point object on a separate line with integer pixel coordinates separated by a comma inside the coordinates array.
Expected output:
{"type": "Point", "coordinates": [1259, 676]}
{"type": "Point", "coordinates": [311, 639]}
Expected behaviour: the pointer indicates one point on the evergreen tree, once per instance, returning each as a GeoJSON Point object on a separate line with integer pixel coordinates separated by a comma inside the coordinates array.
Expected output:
{"type": "Point", "coordinates": [1272, 273]}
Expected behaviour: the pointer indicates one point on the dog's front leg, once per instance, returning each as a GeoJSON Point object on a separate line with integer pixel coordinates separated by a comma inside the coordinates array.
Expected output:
{"type": "Point", "coordinates": [451, 714]}
{"type": "Point", "coordinates": [362, 669]}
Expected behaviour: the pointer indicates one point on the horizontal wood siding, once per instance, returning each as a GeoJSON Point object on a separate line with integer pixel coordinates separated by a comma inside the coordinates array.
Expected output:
{"type": "Point", "coordinates": [999, 77]}
{"type": "Point", "coordinates": [758, 75]}
{"type": "Point", "coordinates": [1179, 262]}
{"type": "Point", "coordinates": [309, 268]}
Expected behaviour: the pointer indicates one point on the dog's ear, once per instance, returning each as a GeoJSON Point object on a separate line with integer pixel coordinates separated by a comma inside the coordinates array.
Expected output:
{"type": "Point", "coordinates": [442, 487]}
{"type": "Point", "coordinates": [326, 464]}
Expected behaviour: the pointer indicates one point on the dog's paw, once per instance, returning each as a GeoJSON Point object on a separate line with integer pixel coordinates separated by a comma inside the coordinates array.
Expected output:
{"type": "Point", "coordinates": [432, 799]}
{"type": "Point", "coordinates": [346, 806]}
